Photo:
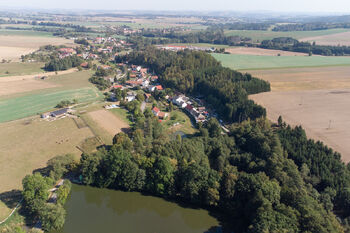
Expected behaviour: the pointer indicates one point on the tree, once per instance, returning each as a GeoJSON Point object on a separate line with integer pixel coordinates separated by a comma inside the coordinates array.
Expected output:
{"type": "Point", "coordinates": [52, 217]}
{"type": "Point", "coordinates": [63, 192]}
{"type": "Point", "coordinates": [35, 191]}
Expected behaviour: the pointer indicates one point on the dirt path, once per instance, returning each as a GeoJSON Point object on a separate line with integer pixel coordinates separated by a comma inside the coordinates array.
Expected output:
{"type": "Point", "coordinates": [108, 121]}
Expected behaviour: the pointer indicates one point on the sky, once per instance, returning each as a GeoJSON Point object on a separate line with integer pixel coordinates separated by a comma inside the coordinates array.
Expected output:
{"type": "Point", "coordinates": [318, 6]}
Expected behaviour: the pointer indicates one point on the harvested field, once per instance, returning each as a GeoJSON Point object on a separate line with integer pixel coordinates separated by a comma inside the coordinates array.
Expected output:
{"type": "Point", "coordinates": [261, 52]}
{"type": "Point", "coordinates": [324, 114]}
{"type": "Point", "coordinates": [306, 78]}
{"type": "Point", "coordinates": [13, 46]}
{"type": "Point", "coordinates": [342, 38]}
{"type": "Point", "coordinates": [20, 68]}
{"type": "Point", "coordinates": [108, 121]}
{"type": "Point", "coordinates": [26, 83]}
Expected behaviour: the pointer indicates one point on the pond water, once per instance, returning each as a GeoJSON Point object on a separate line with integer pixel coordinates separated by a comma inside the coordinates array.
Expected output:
{"type": "Point", "coordinates": [101, 210]}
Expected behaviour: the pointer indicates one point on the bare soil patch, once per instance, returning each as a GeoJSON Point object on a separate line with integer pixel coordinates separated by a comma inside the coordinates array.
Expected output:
{"type": "Point", "coordinates": [323, 114]}
{"type": "Point", "coordinates": [108, 121]}
{"type": "Point", "coordinates": [342, 38]}
{"type": "Point", "coordinates": [294, 79]}
{"type": "Point", "coordinates": [261, 52]}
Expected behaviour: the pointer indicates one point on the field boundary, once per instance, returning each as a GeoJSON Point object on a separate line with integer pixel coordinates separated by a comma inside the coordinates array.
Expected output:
{"type": "Point", "coordinates": [12, 212]}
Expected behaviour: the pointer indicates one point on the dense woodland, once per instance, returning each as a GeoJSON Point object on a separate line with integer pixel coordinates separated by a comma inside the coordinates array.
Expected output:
{"type": "Point", "coordinates": [198, 73]}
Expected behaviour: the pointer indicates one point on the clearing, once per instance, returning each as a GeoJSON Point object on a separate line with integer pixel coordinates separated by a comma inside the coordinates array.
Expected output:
{"type": "Point", "coordinates": [108, 121]}
{"type": "Point", "coordinates": [251, 62]}
{"type": "Point", "coordinates": [342, 38]}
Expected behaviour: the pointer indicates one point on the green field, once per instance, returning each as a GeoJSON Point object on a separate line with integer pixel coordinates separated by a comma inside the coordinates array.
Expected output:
{"type": "Point", "coordinates": [9, 32]}
{"type": "Point", "coordinates": [28, 105]}
{"type": "Point", "coordinates": [249, 62]}
{"type": "Point", "coordinates": [268, 35]}
{"type": "Point", "coordinates": [17, 68]}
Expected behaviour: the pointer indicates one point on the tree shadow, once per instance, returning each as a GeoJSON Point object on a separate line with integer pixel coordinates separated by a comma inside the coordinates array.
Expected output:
{"type": "Point", "coordinates": [11, 198]}
{"type": "Point", "coordinates": [44, 171]}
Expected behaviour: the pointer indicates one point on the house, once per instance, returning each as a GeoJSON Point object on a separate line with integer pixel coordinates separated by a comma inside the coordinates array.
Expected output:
{"type": "Point", "coordinates": [145, 83]}
{"type": "Point", "coordinates": [45, 115]}
{"type": "Point", "coordinates": [162, 115]}
{"type": "Point", "coordinates": [130, 98]}
{"type": "Point", "coordinates": [134, 82]}
{"type": "Point", "coordinates": [153, 88]}
{"type": "Point", "coordinates": [118, 87]}
{"type": "Point", "coordinates": [60, 112]}
{"type": "Point", "coordinates": [104, 67]}
{"type": "Point", "coordinates": [66, 50]}
{"type": "Point", "coordinates": [84, 65]}
{"type": "Point", "coordinates": [159, 87]}
{"type": "Point", "coordinates": [143, 70]}
{"type": "Point", "coordinates": [154, 78]}
{"type": "Point", "coordinates": [155, 111]}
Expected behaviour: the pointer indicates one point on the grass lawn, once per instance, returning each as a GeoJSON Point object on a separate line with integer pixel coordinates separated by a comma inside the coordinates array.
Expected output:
{"type": "Point", "coordinates": [18, 68]}
{"type": "Point", "coordinates": [244, 62]}
{"type": "Point", "coordinates": [185, 125]}
{"type": "Point", "coordinates": [268, 35]}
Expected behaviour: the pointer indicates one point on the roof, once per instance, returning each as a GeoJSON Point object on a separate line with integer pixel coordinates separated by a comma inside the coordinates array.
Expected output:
{"type": "Point", "coordinates": [117, 86]}
{"type": "Point", "coordinates": [159, 87]}
{"type": "Point", "coordinates": [155, 109]}
{"type": "Point", "coordinates": [189, 107]}
{"type": "Point", "coordinates": [59, 112]}
{"type": "Point", "coordinates": [161, 114]}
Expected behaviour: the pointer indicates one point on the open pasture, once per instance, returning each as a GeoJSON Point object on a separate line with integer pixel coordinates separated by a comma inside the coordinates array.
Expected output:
{"type": "Point", "coordinates": [251, 62]}
{"type": "Point", "coordinates": [19, 68]}
{"type": "Point", "coordinates": [28, 144]}
{"type": "Point", "coordinates": [258, 36]}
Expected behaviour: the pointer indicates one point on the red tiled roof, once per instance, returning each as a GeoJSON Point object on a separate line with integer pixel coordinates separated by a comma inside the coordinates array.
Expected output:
{"type": "Point", "coordinates": [155, 109]}
{"type": "Point", "coordinates": [117, 86]}
{"type": "Point", "coordinates": [159, 87]}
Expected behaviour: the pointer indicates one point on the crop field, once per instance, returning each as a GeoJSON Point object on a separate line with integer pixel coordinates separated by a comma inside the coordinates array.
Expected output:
{"type": "Point", "coordinates": [36, 142]}
{"type": "Point", "coordinates": [15, 43]}
{"type": "Point", "coordinates": [261, 52]}
{"type": "Point", "coordinates": [297, 79]}
{"type": "Point", "coordinates": [18, 68]}
{"type": "Point", "coordinates": [28, 105]}
{"type": "Point", "coordinates": [316, 98]}
{"type": "Point", "coordinates": [258, 36]}
{"type": "Point", "coordinates": [342, 38]}
{"type": "Point", "coordinates": [251, 62]}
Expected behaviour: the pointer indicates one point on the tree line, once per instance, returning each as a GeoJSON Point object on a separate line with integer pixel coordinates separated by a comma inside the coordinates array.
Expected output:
{"type": "Point", "coordinates": [56, 64]}
{"type": "Point", "coordinates": [309, 26]}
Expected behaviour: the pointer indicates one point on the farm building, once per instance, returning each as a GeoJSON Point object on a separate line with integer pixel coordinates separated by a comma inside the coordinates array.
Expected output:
{"type": "Point", "coordinates": [60, 112]}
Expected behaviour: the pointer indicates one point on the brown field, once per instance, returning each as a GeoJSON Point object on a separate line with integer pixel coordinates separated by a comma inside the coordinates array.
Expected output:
{"type": "Point", "coordinates": [306, 78]}
{"type": "Point", "coordinates": [261, 52]}
{"type": "Point", "coordinates": [108, 121]}
{"type": "Point", "coordinates": [316, 98]}
{"type": "Point", "coordinates": [26, 83]}
{"type": "Point", "coordinates": [342, 38]}
{"type": "Point", "coordinates": [315, 110]}
{"type": "Point", "coordinates": [12, 47]}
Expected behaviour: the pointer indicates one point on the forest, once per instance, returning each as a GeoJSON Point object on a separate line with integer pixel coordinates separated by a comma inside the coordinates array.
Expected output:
{"type": "Point", "coordinates": [247, 175]}
{"type": "Point", "coordinates": [199, 74]}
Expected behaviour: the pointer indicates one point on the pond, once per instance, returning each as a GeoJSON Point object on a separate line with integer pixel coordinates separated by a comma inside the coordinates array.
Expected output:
{"type": "Point", "coordinates": [93, 210]}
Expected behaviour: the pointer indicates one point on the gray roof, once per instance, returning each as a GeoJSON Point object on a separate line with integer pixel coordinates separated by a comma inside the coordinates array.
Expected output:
{"type": "Point", "coordinates": [59, 112]}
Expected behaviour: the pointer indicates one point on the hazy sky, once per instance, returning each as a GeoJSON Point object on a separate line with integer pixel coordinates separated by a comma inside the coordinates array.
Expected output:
{"type": "Point", "coordinates": [189, 5]}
